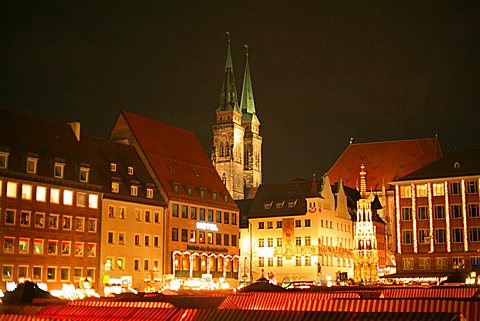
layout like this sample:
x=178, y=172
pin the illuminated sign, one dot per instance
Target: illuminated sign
x=207, y=226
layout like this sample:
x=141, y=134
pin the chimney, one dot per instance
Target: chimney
x=76, y=129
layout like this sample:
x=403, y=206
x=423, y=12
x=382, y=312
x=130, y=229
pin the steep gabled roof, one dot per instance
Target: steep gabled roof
x=177, y=158
x=385, y=161
x=458, y=163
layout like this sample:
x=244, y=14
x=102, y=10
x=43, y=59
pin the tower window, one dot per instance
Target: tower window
x=130, y=170
x=113, y=167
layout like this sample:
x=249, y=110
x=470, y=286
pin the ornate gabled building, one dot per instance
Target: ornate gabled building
x=237, y=144
x=365, y=242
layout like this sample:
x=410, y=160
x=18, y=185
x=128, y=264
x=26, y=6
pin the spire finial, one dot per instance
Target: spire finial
x=363, y=182
x=228, y=35
x=246, y=47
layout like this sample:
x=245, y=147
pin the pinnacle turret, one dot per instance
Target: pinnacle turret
x=247, y=103
x=228, y=98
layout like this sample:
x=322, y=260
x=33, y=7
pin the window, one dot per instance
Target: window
x=423, y=236
x=149, y=192
x=91, y=249
x=234, y=240
x=81, y=199
x=113, y=167
x=202, y=193
x=279, y=260
x=458, y=262
x=455, y=188
x=122, y=213
x=110, y=238
x=37, y=273
x=438, y=189
x=174, y=234
x=65, y=274
x=298, y=223
x=184, y=211
x=55, y=196
x=66, y=248
x=405, y=192
x=298, y=241
x=38, y=246
x=146, y=240
x=422, y=190
x=456, y=211
x=193, y=213
x=218, y=239
x=52, y=247
x=8, y=244
x=269, y=225
x=439, y=212
x=136, y=265
x=214, y=196
x=148, y=216
x=24, y=218
x=441, y=263
x=218, y=217
x=145, y=265
x=134, y=190
x=67, y=197
x=406, y=237
x=32, y=165
x=156, y=217
x=210, y=238
x=40, y=220
x=457, y=235
x=261, y=225
x=270, y=242
x=261, y=261
x=308, y=240
x=472, y=187
x=475, y=260
x=424, y=263
x=92, y=224
x=41, y=194
x=115, y=187
x=473, y=210
x=184, y=235
x=11, y=189
x=440, y=235
x=138, y=215
x=66, y=222
x=307, y=223
x=261, y=242
x=91, y=273
x=279, y=224
x=202, y=214
x=210, y=215
x=474, y=234
x=270, y=261
x=407, y=263
x=121, y=238
x=51, y=273
x=130, y=170
x=406, y=213
x=3, y=160
x=298, y=260
x=136, y=239
x=58, y=170
x=120, y=264
x=201, y=236
x=189, y=191
x=27, y=192
x=175, y=210
x=308, y=260
x=279, y=241
x=53, y=221
x=78, y=249
x=111, y=211
x=226, y=218
x=7, y=272
x=176, y=188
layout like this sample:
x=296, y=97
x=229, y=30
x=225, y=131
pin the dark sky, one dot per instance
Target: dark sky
x=322, y=71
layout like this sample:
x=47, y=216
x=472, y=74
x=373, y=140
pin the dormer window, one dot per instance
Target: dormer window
x=202, y=193
x=58, y=170
x=176, y=188
x=280, y=204
x=134, y=190
x=225, y=198
x=3, y=160
x=130, y=170
x=84, y=174
x=214, y=196
x=113, y=167
x=189, y=191
x=170, y=168
x=32, y=165
x=115, y=187
x=267, y=206
x=292, y=204
x=149, y=192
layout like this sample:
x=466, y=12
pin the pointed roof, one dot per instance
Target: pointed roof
x=228, y=98
x=313, y=189
x=386, y=161
x=247, y=104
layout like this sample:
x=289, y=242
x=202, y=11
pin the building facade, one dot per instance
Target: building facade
x=437, y=217
x=237, y=144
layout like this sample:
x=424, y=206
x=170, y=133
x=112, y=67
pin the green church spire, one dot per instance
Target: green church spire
x=228, y=98
x=247, y=103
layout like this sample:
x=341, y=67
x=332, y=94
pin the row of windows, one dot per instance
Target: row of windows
x=140, y=216
x=119, y=264
x=67, y=222
x=202, y=192
x=441, y=235
x=279, y=224
x=305, y=261
x=438, y=189
x=138, y=240
x=441, y=263
x=25, y=245
x=115, y=188
x=53, y=195
x=49, y=274
x=31, y=167
x=439, y=212
x=203, y=237
x=204, y=215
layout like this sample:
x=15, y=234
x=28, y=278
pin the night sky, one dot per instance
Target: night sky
x=322, y=71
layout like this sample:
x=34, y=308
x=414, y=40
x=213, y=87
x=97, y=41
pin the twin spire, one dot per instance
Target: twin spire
x=228, y=98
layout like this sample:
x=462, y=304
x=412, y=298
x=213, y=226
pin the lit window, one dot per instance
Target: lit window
x=51, y=273
x=422, y=190
x=405, y=192
x=149, y=193
x=67, y=197
x=24, y=218
x=58, y=170
x=298, y=260
x=438, y=189
x=40, y=220
x=66, y=222
x=120, y=264
x=458, y=262
x=54, y=196
x=81, y=199
x=11, y=189
x=66, y=248
x=270, y=261
x=23, y=245
x=407, y=263
x=53, y=221
x=424, y=263
x=41, y=194
x=115, y=187
x=270, y=242
x=79, y=224
x=3, y=160
x=92, y=225
x=84, y=174
x=78, y=249
x=441, y=263
x=134, y=190
x=261, y=261
x=308, y=260
x=279, y=260
x=27, y=192
x=93, y=200
x=130, y=170
x=121, y=213
x=261, y=242
x=32, y=165
x=8, y=244
x=91, y=249
x=308, y=240
x=113, y=167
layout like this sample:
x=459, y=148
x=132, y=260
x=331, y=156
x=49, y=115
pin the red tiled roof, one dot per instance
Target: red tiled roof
x=384, y=161
x=177, y=157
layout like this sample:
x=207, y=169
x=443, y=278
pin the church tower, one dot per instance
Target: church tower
x=365, y=250
x=252, y=163
x=228, y=134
